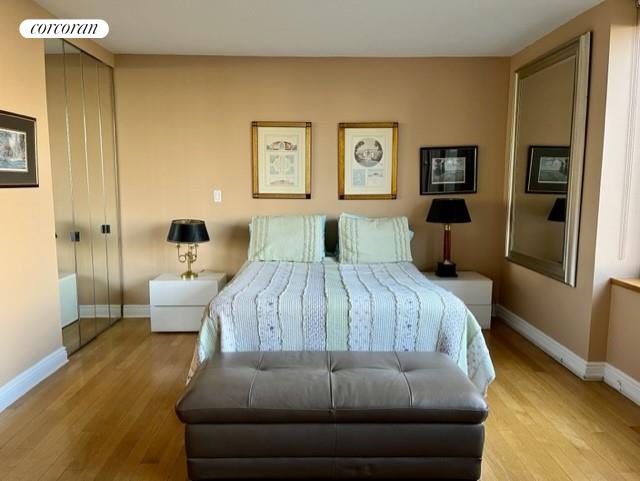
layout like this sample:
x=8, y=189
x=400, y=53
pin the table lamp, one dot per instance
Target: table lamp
x=191, y=232
x=559, y=210
x=447, y=212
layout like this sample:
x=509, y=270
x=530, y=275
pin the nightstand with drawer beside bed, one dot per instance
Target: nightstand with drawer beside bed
x=473, y=289
x=178, y=304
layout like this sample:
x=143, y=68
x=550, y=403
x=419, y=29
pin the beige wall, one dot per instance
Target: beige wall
x=29, y=317
x=610, y=259
x=29, y=311
x=184, y=129
x=624, y=331
x=563, y=312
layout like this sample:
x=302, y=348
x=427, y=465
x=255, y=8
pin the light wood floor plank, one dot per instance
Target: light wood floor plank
x=109, y=414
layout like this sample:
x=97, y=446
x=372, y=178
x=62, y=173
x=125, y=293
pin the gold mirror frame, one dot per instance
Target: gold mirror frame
x=566, y=271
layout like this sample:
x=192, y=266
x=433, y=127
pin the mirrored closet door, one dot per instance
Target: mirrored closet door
x=85, y=187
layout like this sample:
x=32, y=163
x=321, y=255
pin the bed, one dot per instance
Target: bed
x=332, y=306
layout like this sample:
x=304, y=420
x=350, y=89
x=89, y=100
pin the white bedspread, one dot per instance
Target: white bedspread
x=287, y=306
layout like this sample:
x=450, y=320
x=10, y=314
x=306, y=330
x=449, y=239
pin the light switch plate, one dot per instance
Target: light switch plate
x=217, y=196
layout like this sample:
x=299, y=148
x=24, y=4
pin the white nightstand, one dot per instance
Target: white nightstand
x=177, y=304
x=473, y=289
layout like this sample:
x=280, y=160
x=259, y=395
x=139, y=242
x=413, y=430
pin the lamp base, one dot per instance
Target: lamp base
x=446, y=269
x=188, y=275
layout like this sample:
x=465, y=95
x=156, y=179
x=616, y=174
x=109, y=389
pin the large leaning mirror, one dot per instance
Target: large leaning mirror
x=547, y=157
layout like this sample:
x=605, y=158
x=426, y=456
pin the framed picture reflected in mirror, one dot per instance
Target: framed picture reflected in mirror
x=547, y=170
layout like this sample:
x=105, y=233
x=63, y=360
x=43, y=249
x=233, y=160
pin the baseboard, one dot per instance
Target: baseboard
x=622, y=382
x=102, y=310
x=98, y=310
x=589, y=371
x=136, y=310
x=28, y=379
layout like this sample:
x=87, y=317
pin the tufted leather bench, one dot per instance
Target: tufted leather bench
x=332, y=415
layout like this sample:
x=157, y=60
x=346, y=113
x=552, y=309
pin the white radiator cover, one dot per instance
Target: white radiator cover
x=67, y=287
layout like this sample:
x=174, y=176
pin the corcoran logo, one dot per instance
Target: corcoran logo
x=76, y=28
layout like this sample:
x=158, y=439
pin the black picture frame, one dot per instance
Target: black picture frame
x=548, y=180
x=462, y=178
x=18, y=150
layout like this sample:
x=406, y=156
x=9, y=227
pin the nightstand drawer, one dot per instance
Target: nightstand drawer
x=170, y=290
x=470, y=293
x=177, y=319
x=470, y=287
x=482, y=314
x=473, y=289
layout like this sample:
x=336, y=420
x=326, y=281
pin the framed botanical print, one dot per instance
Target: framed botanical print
x=547, y=170
x=281, y=160
x=18, y=159
x=367, y=160
x=448, y=170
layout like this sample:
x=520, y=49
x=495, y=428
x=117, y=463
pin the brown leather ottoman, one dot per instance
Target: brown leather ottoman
x=332, y=415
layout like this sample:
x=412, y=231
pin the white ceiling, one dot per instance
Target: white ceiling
x=362, y=28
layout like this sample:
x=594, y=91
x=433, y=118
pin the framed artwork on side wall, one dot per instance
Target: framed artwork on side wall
x=547, y=170
x=448, y=170
x=367, y=160
x=18, y=159
x=281, y=160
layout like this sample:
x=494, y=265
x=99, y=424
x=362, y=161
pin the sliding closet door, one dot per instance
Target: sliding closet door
x=112, y=221
x=62, y=193
x=95, y=177
x=84, y=170
x=82, y=235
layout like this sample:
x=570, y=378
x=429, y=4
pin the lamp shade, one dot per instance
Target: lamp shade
x=559, y=210
x=188, y=231
x=448, y=211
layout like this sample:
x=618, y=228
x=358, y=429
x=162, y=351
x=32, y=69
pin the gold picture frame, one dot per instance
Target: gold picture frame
x=276, y=160
x=371, y=171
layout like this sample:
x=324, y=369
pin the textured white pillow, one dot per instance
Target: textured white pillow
x=296, y=238
x=374, y=240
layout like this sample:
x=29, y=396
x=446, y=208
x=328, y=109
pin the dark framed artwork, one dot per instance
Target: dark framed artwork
x=448, y=170
x=18, y=160
x=547, y=170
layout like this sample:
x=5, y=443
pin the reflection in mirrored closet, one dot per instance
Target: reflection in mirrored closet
x=547, y=156
x=84, y=171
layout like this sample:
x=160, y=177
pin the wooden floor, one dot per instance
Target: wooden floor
x=108, y=415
